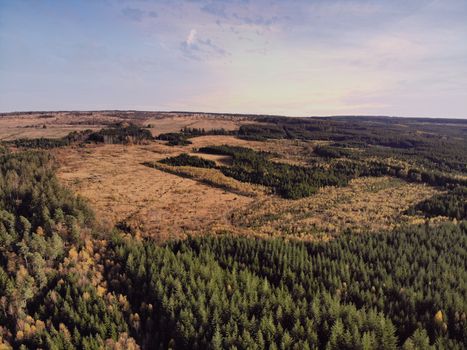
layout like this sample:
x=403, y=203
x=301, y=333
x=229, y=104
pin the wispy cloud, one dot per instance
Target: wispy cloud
x=207, y=43
x=190, y=40
x=200, y=49
x=215, y=8
x=257, y=20
x=133, y=13
x=136, y=14
x=243, y=12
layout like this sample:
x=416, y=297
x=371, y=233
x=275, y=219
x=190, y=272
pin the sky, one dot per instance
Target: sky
x=285, y=57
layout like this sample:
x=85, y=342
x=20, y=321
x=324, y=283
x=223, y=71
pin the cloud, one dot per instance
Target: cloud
x=133, y=13
x=213, y=47
x=191, y=37
x=136, y=14
x=200, y=49
x=257, y=20
x=228, y=11
x=215, y=9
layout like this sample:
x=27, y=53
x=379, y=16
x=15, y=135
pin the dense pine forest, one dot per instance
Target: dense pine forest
x=68, y=282
x=358, y=292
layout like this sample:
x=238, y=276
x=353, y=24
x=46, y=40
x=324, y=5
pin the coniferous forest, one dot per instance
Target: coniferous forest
x=68, y=282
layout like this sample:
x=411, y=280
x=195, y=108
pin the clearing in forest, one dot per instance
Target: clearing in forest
x=170, y=202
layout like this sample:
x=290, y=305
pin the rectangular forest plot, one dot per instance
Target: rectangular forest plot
x=185, y=159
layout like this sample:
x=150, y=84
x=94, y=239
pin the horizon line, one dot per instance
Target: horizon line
x=2, y=113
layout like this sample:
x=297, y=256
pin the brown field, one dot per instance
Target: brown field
x=152, y=201
x=212, y=177
x=287, y=151
x=155, y=202
x=166, y=202
x=170, y=202
x=53, y=125
x=175, y=123
x=59, y=124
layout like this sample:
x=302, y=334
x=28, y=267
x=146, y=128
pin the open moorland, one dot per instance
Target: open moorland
x=126, y=183
x=171, y=230
x=59, y=124
x=167, y=202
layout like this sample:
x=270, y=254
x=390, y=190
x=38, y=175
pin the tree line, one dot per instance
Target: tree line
x=182, y=138
x=427, y=143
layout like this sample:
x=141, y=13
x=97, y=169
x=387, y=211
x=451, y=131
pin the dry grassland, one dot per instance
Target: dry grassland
x=50, y=125
x=12, y=128
x=59, y=124
x=153, y=202
x=176, y=123
x=367, y=204
x=286, y=151
x=171, y=202
x=167, y=202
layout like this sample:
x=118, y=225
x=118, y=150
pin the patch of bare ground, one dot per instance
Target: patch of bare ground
x=366, y=205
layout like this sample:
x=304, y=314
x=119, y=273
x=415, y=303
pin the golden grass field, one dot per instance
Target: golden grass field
x=368, y=204
x=153, y=202
x=172, y=202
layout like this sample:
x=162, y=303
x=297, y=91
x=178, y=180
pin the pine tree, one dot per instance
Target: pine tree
x=216, y=341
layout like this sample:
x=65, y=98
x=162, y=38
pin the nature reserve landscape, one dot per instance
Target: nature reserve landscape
x=233, y=174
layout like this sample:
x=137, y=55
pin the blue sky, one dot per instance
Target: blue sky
x=323, y=57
